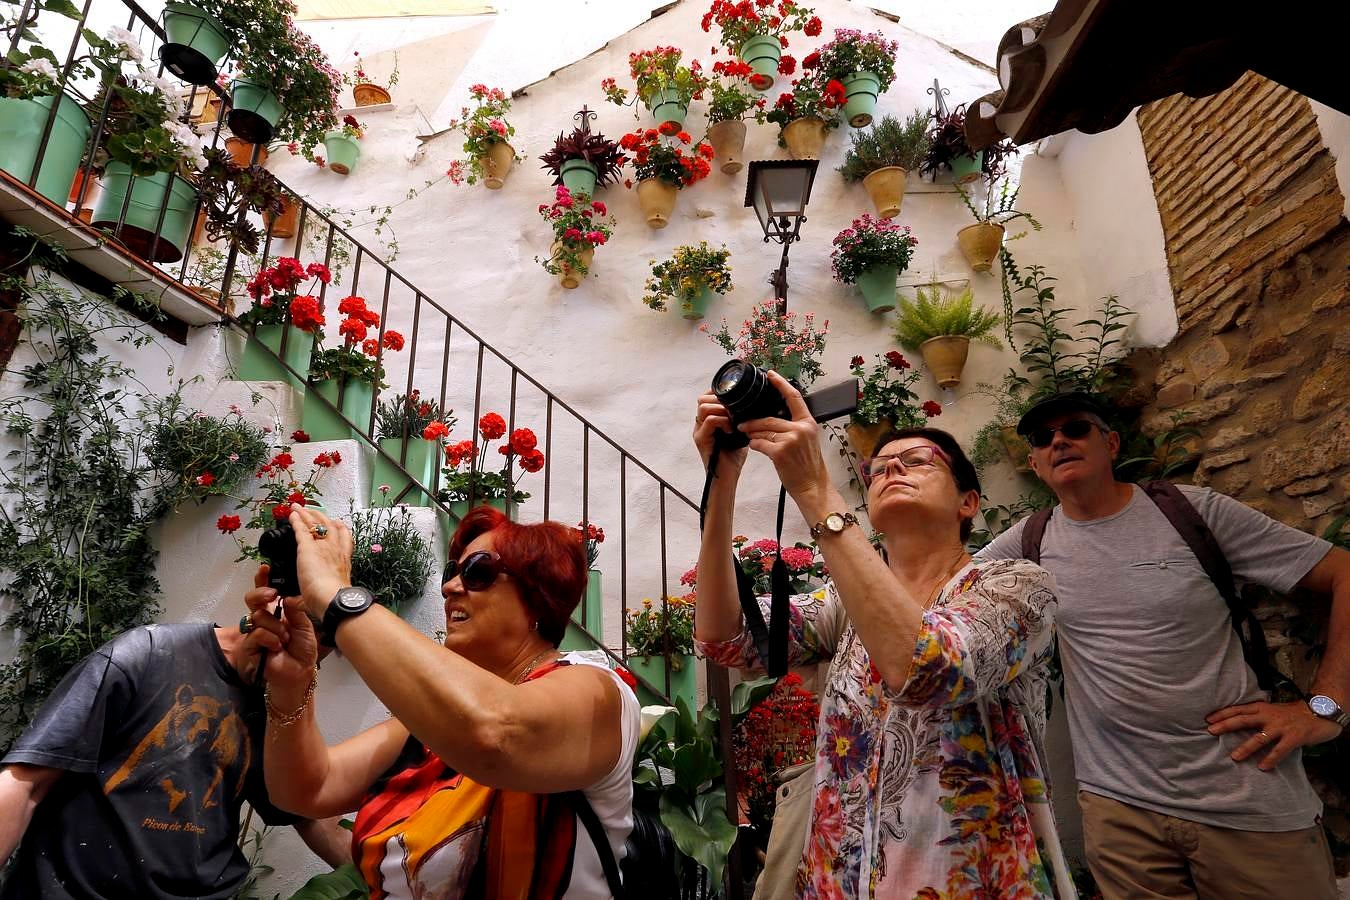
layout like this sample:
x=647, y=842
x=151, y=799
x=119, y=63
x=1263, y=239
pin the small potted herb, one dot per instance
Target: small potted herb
x=390, y=558
x=981, y=242
x=872, y=253
x=487, y=137
x=409, y=430
x=730, y=101
x=366, y=91
x=941, y=328
x=805, y=114
x=689, y=277
x=658, y=634
x=343, y=146
x=883, y=157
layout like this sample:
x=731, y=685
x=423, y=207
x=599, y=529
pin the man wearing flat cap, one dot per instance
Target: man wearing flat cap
x=1190, y=780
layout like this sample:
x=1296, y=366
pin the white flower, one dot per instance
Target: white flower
x=127, y=41
x=189, y=141
x=650, y=716
x=39, y=66
x=162, y=86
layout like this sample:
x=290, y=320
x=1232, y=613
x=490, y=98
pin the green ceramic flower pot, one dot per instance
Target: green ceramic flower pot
x=420, y=462
x=683, y=680
x=343, y=152
x=254, y=112
x=861, y=90
x=589, y=615
x=762, y=53
x=966, y=169
x=321, y=423
x=21, y=125
x=263, y=356
x=152, y=198
x=460, y=508
x=695, y=305
x=579, y=177
x=196, y=43
x=877, y=285
x=666, y=106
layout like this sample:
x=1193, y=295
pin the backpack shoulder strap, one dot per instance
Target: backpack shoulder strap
x=586, y=813
x=1033, y=532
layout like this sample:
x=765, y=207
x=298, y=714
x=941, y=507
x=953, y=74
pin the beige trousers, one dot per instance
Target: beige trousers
x=787, y=839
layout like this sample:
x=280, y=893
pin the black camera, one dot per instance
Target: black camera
x=277, y=545
x=745, y=390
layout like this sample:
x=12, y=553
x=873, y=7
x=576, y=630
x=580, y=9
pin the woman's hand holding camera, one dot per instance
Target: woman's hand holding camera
x=323, y=558
x=711, y=418
x=291, y=643
x=793, y=446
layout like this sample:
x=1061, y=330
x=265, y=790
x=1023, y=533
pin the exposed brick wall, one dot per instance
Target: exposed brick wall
x=1258, y=253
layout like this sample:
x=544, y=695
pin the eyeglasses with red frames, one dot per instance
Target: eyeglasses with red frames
x=917, y=457
x=477, y=572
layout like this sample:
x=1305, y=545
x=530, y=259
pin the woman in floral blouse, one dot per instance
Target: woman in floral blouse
x=930, y=776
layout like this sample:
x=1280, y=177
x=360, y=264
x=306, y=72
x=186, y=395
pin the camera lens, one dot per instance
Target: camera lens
x=728, y=377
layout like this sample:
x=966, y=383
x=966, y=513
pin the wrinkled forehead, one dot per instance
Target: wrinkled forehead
x=900, y=445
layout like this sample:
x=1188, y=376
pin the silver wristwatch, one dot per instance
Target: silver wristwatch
x=1325, y=708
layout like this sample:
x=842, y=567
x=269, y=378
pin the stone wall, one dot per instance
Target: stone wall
x=1257, y=251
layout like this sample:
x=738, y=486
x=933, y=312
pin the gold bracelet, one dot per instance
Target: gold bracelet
x=276, y=717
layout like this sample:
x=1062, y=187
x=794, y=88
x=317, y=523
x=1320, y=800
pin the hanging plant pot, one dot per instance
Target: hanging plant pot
x=762, y=53
x=728, y=143
x=695, y=305
x=980, y=243
x=579, y=176
x=501, y=156
x=571, y=278
x=877, y=285
x=147, y=203
x=420, y=462
x=666, y=106
x=322, y=424
x=284, y=225
x=945, y=357
x=21, y=125
x=886, y=187
x=195, y=44
x=657, y=199
x=366, y=94
x=1017, y=448
x=683, y=678
x=861, y=90
x=804, y=137
x=589, y=615
x=863, y=438
x=241, y=152
x=343, y=152
x=263, y=355
x=966, y=169
x=254, y=112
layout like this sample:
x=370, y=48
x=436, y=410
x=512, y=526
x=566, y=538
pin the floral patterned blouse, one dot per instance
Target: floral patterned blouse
x=938, y=789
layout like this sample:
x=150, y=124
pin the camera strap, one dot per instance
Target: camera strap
x=770, y=640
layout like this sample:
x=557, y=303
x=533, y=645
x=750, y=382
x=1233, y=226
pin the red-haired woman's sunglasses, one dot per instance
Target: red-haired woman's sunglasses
x=477, y=572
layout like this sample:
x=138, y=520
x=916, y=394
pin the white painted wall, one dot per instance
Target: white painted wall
x=1335, y=127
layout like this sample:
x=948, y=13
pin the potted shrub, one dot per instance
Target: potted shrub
x=778, y=732
x=883, y=157
x=663, y=85
x=872, y=253
x=729, y=101
x=689, y=277
x=343, y=146
x=579, y=225
x=583, y=160
x=998, y=438
x=465, y=479
x=590, y=614
x=664, y=635
x=487, y=136
x=390, y=558
x=347, y=375
x=665, y=160
x=282, y=322
x=759, y=39
x=864, y=64
x=805, y=114
x=409, y=430
x=285, y=90
x=886, y=400
x=771, y=341
x=981, y=242
x=366, y=91
x=948, y=150
x=941, y=328
x=202, y=456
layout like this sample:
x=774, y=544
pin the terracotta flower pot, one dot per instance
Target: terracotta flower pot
x=369, y=94
x=980, y=243
x=1018, y=450
x=572, y=278
x=804, y=137
x=945, y=357
x=886, y=187
x=657, y=199
x=501, y=156
x=241, y=151
x=863, y=438
x=728, y=143
x=283, y=226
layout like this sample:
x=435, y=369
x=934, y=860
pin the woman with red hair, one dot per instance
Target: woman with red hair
x=506, y=768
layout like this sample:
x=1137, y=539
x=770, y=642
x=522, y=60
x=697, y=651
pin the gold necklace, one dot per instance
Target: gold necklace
x=942, y=580
x=534, y=662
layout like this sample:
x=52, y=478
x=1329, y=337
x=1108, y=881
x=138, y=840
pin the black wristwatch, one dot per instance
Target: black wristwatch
x=348, y=603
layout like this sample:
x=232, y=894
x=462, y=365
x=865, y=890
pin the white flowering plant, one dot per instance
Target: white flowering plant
x=32, y=70
x=143, y=128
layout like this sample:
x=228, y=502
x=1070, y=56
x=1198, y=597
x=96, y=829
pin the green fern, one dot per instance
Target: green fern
x=888, y=143
x=931, y=315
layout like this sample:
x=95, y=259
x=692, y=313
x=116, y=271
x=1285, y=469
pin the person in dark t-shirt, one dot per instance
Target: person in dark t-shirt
x=130, y=780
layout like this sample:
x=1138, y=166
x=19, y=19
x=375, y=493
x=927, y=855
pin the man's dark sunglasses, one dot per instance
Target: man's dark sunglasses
x=477, y=572
x=1074, y=429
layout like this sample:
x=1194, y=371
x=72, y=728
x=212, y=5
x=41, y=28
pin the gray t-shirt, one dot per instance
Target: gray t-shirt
x=1148, y=651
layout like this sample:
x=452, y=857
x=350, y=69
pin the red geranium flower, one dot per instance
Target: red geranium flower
x=206, y=479
x=812, y=28
x=319, y=271
x=228, y=524
x=856, y=361
x=532, y=461
x=897, y=361
x=353, y=330
x=523, y=440
x=393, y=340
x=296, y=498
x=667, y=128
x=281, y=512
x=931, y=408
x=370, y=347
x=299, y=436
x=352, y=306
x=305, y=313
x=492, y=426
x=283, y=461
x=787, y=65
x=434, y=431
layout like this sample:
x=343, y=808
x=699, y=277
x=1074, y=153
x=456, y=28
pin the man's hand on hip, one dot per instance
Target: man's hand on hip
x=1278, y=728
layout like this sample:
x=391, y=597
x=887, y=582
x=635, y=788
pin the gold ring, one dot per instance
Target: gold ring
x=1263, y=736
x=319, y=531
x=246, y=624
